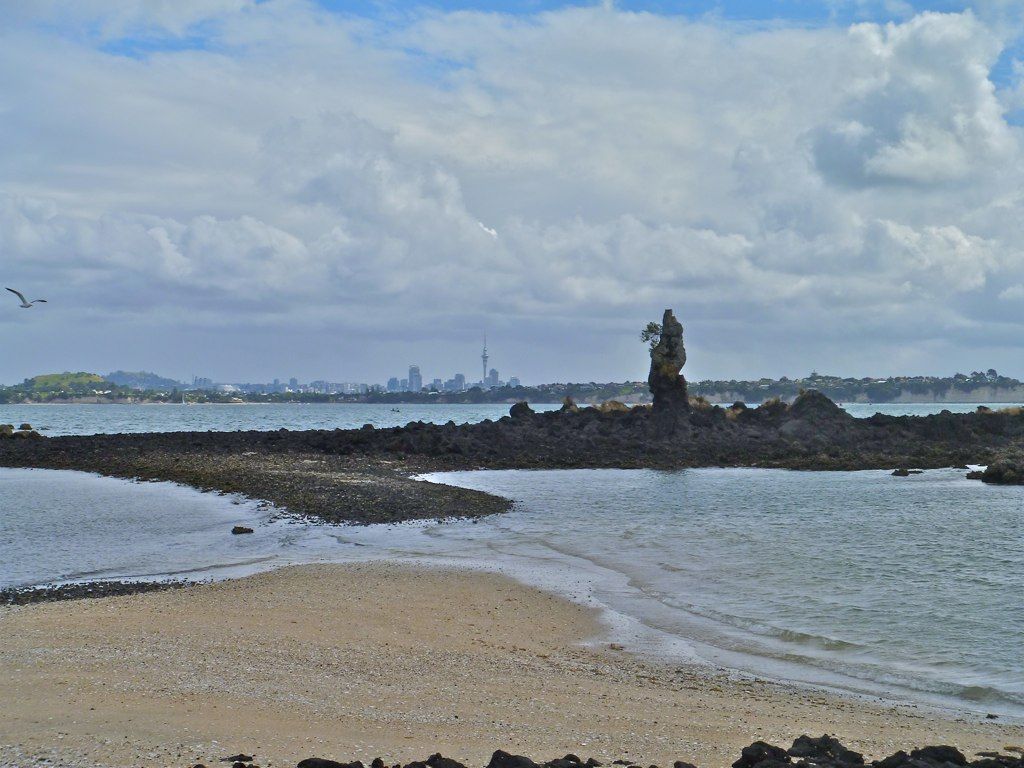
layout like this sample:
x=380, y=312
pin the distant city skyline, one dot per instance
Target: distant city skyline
x=412, y=382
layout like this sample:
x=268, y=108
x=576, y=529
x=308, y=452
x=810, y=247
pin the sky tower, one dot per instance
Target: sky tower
x=484, y=358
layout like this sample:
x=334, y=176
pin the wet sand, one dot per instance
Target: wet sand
x=355, y=661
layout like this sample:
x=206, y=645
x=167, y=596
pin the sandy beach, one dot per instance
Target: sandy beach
x=356, y=661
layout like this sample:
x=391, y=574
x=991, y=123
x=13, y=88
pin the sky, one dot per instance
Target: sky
x=251, y=189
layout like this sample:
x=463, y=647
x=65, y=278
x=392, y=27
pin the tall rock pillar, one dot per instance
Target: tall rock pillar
x=667, y=358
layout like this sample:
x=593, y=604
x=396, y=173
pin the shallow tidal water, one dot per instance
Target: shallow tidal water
x=900, y=587
x=908, y=588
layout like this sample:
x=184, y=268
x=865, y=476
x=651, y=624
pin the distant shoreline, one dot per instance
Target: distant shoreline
x=978, y=387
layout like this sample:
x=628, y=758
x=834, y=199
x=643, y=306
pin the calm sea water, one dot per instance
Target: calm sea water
x=908, y=588
x=112, y=419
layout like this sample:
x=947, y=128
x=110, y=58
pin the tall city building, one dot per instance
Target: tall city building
x=492, y=379
x=415, y=379
x=485, y=359
x=393, y=384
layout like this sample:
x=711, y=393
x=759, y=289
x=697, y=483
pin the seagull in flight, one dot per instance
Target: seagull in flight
x=24, y=303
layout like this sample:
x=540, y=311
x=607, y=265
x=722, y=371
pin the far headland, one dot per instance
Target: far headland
x=363, y=475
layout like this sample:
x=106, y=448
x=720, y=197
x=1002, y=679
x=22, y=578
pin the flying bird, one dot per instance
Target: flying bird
x=24, y=303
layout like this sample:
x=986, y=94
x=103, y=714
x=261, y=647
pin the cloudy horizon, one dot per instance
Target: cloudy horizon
x=335, y=190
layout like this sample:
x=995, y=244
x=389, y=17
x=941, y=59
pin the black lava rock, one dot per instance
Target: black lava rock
x=759, y=753
x=893, y=761
x=1006, y=469
x=320, y=762
x=437, y=760
x=827, y=749
x=823, y=752
x=501, y=759
x=240, y=529
x=939, y=755
x=521, y=411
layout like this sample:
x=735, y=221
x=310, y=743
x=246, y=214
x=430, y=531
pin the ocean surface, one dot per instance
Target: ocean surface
x=111, y=419
x=54, y=420
x=906, y=588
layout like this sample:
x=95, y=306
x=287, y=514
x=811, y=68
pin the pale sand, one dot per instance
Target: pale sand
x=357, y=661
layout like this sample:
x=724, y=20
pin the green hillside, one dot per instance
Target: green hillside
x=59, y=386
x=65, y=382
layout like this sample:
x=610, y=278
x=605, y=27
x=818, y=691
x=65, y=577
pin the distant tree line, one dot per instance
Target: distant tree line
x=875, y=390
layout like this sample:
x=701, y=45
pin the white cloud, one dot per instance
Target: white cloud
x=919, y=108
x=1013, y=293
x=334, y=176
x=117, y=18
x=942, y=260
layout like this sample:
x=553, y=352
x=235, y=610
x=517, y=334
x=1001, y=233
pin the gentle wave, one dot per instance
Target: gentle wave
x=908, y=590
x=846, y=579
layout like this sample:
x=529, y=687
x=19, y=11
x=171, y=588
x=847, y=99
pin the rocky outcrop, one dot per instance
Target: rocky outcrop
x=1006, y=469
x=668, y=357
x=24, y=432
x=812, y=406
x=521, y=411
x=809, y=752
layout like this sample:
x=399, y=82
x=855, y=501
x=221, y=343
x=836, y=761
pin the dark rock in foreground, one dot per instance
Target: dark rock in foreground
x=49, y=594
x=823, y=752
x=761, y=753
x=826, y=749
